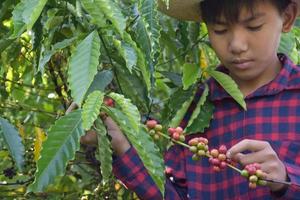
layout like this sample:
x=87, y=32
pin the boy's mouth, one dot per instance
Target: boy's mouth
x=241, y=63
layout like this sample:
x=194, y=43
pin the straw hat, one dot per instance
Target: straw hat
x=189, y=9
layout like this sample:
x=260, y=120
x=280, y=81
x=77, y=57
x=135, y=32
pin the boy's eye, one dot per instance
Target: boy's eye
x=255, y=28
x=219, y=32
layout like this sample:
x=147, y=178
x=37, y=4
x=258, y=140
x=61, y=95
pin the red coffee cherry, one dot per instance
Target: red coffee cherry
x=109, y=102
x=151, y=124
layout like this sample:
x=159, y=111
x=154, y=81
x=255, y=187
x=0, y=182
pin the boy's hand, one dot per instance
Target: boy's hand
x=262, y=153
x=119, y=142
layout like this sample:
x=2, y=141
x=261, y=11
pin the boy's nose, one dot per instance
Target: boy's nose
x=237, y=43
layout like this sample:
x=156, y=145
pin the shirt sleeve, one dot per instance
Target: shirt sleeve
x=290, y=154
x=130, y=170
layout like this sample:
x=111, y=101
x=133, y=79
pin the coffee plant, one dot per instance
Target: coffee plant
x=64, y=64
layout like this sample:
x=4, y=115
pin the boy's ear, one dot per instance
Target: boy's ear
x=289, y=17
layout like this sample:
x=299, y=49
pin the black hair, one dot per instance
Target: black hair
x=213, y=10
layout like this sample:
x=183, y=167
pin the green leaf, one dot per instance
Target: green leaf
x=149, y=15
x=19, y=25
x=287, y=43
x=97, y=17
x=58, y=149
x=32, y=11
x=26, y=13
x=144, y=145
x=141, y=62
x=91, y=109
x=110, y=10
x=174, y=77
x=176, y=100
x=198, y=108
x=101, y=81
x=104, y=154
x=128, y=81
x=13, y=142
x=127, y=52
x=46, y=56
x=181, y=112
x=128, y=109
x=83, y=66
x=230, y=86
x=191, y=73
x=202, y=120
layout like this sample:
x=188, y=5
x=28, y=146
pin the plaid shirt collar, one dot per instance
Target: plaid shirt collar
x=281, y=82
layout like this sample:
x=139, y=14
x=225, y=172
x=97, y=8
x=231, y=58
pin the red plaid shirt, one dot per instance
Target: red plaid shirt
x=273, y=115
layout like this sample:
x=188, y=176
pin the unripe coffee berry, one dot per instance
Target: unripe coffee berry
x=201, y=153
x=156, y=137
x=179, y=130
x=262, y=182
x=245, y=173
x=158, y=127
x=182, y=138
x=214, y=153
x=260, y=174
x=193, y=149
x=152, y=132
x=195, y=157
x=222, y=157
x=253, y=179
x=201, y=146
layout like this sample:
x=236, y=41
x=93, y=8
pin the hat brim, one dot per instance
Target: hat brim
x=189, y=10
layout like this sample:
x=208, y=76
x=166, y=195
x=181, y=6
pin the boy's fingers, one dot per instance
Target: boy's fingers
x=245, y=159
x=244, y=145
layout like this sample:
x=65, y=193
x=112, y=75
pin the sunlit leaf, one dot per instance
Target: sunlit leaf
x=191, y=73
x=58, y=149
x=83, y=66
x=230, y=86
x=13, y=142
x=142, y=142
x=104, y=153
x=91, y=109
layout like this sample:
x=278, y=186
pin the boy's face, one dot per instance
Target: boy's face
x=248, y=48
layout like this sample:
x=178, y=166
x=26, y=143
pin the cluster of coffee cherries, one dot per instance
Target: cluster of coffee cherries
x=177, y=134
x=218, y=158
x=154, y=129
x=199, y=146
x=254, y=174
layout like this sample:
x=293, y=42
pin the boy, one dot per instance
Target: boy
x=245, y=35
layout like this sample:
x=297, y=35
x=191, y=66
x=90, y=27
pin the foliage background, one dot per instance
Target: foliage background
x=55, y=52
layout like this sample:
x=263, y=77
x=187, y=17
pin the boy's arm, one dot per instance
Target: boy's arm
x=128, y=167
x=130, y=170
x=289, y=152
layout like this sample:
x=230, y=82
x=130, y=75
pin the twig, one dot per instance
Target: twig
x=17, y=182
x=71, y=107
x=25, y=85
x=111, y=62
